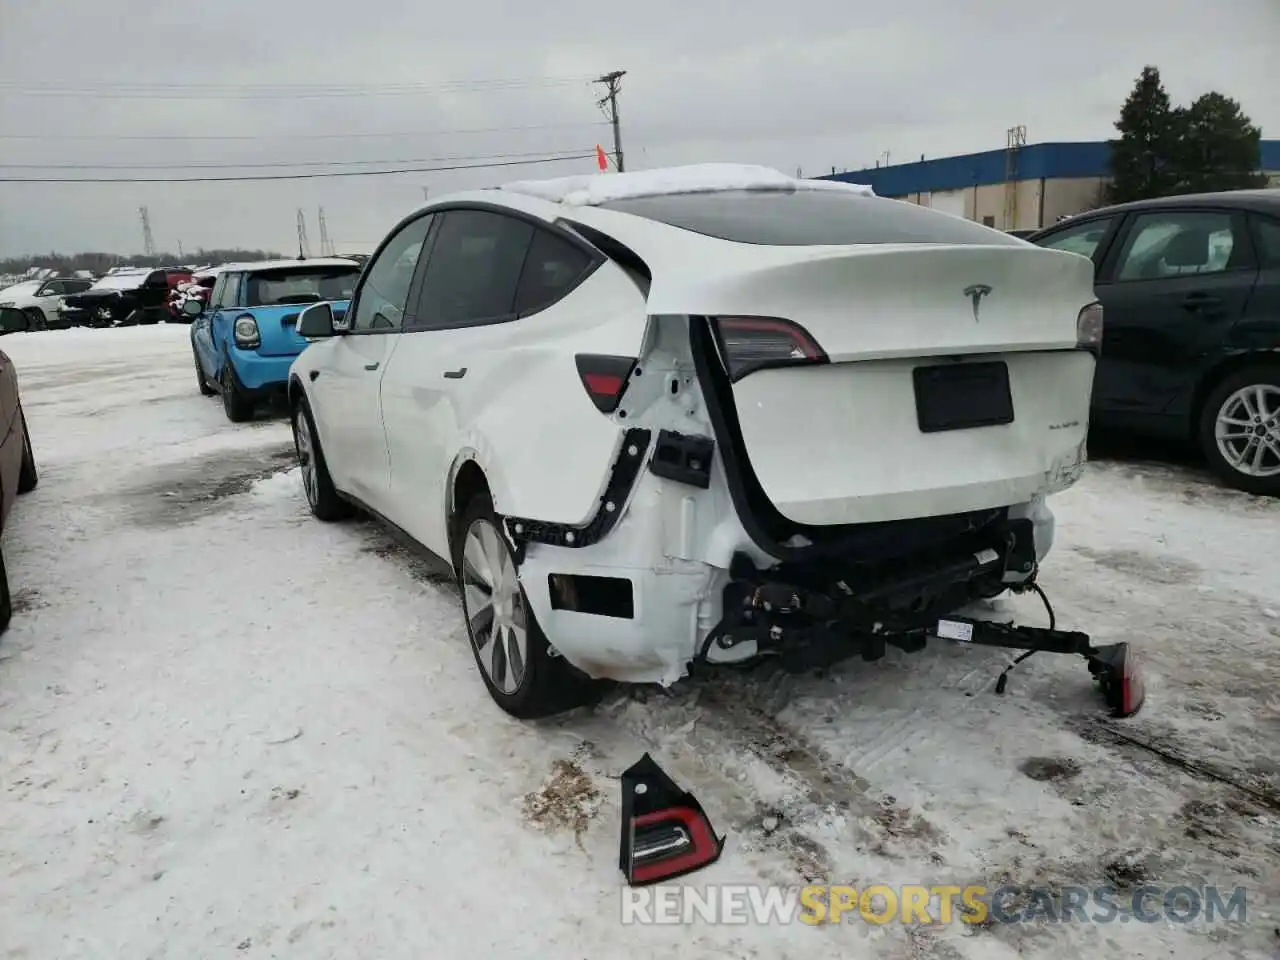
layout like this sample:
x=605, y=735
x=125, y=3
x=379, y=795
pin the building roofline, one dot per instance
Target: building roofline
x=1049, y=161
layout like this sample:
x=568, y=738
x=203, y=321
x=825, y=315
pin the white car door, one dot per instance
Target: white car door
x=486, y=269
x=345, y=392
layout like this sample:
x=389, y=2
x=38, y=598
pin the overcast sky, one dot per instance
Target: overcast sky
x=814, y=85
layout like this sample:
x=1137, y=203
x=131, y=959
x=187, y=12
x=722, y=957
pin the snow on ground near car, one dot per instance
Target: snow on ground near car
x=227, y=729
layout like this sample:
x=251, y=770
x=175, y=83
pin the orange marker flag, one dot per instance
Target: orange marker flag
x=602, y=161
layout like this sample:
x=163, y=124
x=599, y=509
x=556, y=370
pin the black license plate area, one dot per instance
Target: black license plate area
x=962, y=396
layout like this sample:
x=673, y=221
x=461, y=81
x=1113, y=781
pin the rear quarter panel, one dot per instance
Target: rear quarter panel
x=526, y=418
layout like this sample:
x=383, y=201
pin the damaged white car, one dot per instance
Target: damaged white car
x=705, y=414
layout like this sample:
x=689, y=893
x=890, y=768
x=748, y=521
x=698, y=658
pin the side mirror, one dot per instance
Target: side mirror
x=192, y=308
x=317, y=321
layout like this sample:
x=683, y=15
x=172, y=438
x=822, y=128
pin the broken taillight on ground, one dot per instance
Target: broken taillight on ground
x=665, y=833
x=1119, y=677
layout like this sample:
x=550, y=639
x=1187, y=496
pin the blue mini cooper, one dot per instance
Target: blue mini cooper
x=246, y=337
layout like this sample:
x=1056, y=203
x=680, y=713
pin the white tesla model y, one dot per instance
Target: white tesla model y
x=700, y=415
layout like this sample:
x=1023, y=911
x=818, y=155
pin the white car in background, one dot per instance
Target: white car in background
x=40, y=300
x=700, y=415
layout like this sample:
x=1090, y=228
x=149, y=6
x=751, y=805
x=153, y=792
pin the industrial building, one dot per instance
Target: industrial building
x=1023, y=187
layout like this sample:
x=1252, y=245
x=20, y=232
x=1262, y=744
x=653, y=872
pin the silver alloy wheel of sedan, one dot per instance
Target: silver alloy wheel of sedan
x=306, y=455
x=494, y=606
x=1248, y=430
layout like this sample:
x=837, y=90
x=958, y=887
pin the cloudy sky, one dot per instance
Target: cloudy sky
x=136, y=88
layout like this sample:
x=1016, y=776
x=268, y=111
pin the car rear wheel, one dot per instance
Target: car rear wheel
x=517, y=665
x=201, y=380
x=322, y=496
x=1240, y=429
x=28, y=475
x=238, y=407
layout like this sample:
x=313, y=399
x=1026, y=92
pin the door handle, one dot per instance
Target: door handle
x=1194, y=301
x=456, y=374
x=371, y=366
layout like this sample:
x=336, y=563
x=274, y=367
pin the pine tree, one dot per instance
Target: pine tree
x=1142, y=159
x=1218, y=147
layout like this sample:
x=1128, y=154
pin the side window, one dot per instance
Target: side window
x=78, y=286
x=551, y=268
x=474, y=269
x=53, y=288
x=219, y=290
x=1179, y=243
x=1083, y=238
x=381, y=299
x=1268, y=241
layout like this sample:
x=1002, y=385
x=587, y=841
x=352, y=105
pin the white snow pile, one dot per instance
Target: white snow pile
x=588, y=190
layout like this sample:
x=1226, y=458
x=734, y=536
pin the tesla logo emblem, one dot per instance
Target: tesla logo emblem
x=975, y=295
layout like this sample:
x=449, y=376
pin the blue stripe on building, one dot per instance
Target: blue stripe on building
x=1049, y=161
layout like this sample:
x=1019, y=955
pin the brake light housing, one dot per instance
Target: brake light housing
x=605, y=378
x=1089, y=328
x=748, y=344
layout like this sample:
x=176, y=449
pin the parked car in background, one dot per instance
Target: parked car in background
x=661, y=415
x=198, y=287
x=13, y=320
x=124, y=297
x=244, y=339
x=1190, y=288
x=40, y=300
x=18, y=473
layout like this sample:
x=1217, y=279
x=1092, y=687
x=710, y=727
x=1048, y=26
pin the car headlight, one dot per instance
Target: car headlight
x=246, y=331
x=1089, y=328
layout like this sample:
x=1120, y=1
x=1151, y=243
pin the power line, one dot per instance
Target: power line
x=177, y=91
x=294, y=136
x=232, y=165
x=299, y=176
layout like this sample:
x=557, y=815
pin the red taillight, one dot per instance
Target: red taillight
x=605, y=378
x=752, y=343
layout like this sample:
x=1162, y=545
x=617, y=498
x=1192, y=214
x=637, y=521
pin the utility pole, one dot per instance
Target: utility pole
x=304, y=248
x=425, y=193
x=609, y=104
x=148, y=241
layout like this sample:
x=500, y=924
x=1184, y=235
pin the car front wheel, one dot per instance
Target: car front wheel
x=1240, y=429
x=517, y=665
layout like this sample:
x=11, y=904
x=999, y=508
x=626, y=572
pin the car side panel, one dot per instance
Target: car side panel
x=551, y=461
x=11, y=439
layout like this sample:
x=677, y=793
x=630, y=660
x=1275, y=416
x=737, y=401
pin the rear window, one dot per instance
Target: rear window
x=808, y=218
x=292, y=285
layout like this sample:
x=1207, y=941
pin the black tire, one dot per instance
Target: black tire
x=1218, y=402
x=6, y=598
x=548, y=684
x=235, y=403
x=35, y=319
x=201, y=380
x=322, y=496
x=28, y=475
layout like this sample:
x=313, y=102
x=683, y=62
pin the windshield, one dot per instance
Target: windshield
x=306, y=285
x=120, y=281
x=20, y=289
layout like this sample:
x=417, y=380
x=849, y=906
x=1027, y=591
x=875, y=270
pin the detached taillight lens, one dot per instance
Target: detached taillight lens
x=1089, y=328
x=605, y=378
x=754, y=343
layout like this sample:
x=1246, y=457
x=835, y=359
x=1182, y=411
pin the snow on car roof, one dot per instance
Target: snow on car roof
x=282, y=264
x=122, y=281
x=594, y=189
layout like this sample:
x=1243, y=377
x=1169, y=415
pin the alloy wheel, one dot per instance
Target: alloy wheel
x=495, y=607
x=306, y=455
x=1247, y=430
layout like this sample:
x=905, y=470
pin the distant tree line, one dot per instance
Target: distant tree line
x=100, y=263
x=1164, y=150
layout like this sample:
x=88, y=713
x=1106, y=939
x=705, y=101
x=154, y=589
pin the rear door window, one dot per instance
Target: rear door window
x=808, y=218
x=1177, y=243
x=552, y=268
x=474, y=269
x=1268, y=241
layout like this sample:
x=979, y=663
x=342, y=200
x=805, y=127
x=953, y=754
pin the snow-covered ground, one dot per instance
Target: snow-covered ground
x=228, y=730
